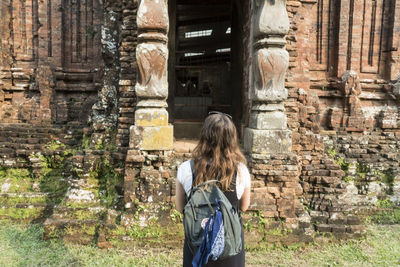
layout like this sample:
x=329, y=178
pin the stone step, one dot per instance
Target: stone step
x=21, y=150
x=9, y=136
x=39, y=132
x=72, y=230
x=10, y=142
x=23, y=130
x=341, y=230
x=15, y=146
x=6, y=151
x=21, y=127
x=25, y=195
x=24, y=212
x=87, y=212
x=25, y=199
x=20, y=206
x=28, y=140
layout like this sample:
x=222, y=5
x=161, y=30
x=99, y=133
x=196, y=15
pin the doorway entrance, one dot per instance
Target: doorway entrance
x=203, y=34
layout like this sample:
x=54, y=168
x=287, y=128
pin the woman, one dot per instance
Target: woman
x=217, y=156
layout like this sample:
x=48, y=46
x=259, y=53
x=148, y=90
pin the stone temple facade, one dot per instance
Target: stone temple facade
x=315, y=96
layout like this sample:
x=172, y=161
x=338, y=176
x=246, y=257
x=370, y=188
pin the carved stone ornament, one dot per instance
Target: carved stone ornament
x=396, y=93
x=351, y=83
x=271, y=18
x=153, y=15
x=351, y=89
x=353, y=116
x=152, y=63
x=270, y=75
x=152, y=53
x=271, y=60
x=396, y=90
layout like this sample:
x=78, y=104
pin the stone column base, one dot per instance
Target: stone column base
x=151, y=137
x=267, y=141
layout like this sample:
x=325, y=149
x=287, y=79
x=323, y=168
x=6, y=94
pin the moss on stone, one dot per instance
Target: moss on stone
x=53, y=171
x=18, y=173
x=79, y=205
x=84, y=214
x=118, y=231
x=70, y=230
x=92, y=179
x=18, y=180
x=154, y=234
x=54, y=182
x=344, y=165
x=21, y=199
x=90, y=230
x=55, y=145
x=52, y=232
x=105, y=142
x=85, y=142
x=387, y=177
x=21, y=213
x=81, y=230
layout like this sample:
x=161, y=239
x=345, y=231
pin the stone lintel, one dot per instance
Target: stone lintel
x=267, y=141
x=151, y=137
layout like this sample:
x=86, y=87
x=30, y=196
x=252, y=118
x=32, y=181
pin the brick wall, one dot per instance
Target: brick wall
x=319, y=55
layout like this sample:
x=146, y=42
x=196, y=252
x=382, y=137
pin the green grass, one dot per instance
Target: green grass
x=21, y=245
x=380, y=247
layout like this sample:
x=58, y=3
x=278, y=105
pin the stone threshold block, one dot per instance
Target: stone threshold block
x=267, y=141
x=151, y=137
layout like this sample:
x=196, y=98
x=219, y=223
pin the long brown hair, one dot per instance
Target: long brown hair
x=217, y=155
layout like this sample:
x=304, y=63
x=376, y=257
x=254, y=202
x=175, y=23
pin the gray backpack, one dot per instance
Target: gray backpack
x=201, y=205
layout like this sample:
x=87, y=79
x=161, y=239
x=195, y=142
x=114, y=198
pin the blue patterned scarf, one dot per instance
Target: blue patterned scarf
x=213, y=241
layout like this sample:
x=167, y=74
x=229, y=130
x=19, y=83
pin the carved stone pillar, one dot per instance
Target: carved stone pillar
x=267, y=133
x=151, y=130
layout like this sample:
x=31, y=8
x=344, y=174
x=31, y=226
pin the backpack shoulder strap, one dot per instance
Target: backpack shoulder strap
x=192, y=166
x=205, y=183
x=193, y=176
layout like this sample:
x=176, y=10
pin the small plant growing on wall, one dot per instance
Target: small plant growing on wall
x=388, y=212
x=344, y=165
x=387, y=177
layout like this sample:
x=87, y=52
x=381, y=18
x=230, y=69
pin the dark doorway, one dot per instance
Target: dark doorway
x=201, y=72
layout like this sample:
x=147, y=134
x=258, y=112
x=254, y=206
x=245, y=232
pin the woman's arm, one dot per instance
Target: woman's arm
x=180, y=196
x=245, y=181
x=245, y=200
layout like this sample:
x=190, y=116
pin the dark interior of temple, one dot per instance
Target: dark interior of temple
x=202, y=37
